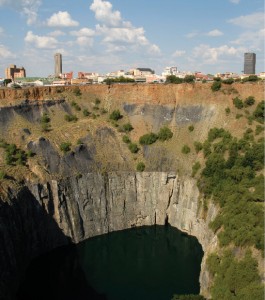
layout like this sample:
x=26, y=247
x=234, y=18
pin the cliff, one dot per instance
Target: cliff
x=57, y=198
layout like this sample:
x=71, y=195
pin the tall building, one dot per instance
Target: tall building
x=249, y=63
x=58, y=64
x=13, y=72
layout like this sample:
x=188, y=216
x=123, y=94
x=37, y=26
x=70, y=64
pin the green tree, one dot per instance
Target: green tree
x=238, y=103
x=148, y=139
x=133, y=147
x=185, y=149
x=115, y=115
x=164, y=134
x=216, y=86
x=65, y=147
x=249, y=101
x=140, y=167
x=174, y=79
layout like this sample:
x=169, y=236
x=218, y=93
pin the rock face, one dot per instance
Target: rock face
x=42, y=217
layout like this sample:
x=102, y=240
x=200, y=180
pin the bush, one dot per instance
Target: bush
x=70, y=118
x=188, y=297
x=86, y=113
x=127, y=127
x=133, y=147
x=228, y=81
x=216, y=86
x=97, y=101
x=126, y=139
x=75, y=106
x=227, y=110
x=174, y=79
x=258, y=114
x=45, y=118
x=140, y=167
x=65, y=147
x=195, y=168
x=2, y=175
x=115, y=115
x=259, y=129
x=198, y=146
x=191, y=128
x=189, y=78
x=238, y=116
x=238, y=103
x=164, y=134
x=148, y=139
x=77, y=91
x=185, y=149
x=249, y=101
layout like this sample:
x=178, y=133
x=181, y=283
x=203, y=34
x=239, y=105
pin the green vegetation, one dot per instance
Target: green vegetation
x=45, y=122
x=258, y=114
x=259, y=129
x=115, y=115
x=249, y=101
x=70, y=118
x=189, y=78
x=195, y=168
x=228, y=81
x=120, y=79
x=234, y=278
x=148, y=139
x=216, y=86
x=133, y=147
x=75, y=106
x=238, y=103
x=86, y=113
x=2, y=175
x=77, y=91
x=251, y=78
x=97, y=101
x=174, y=79
x=227, y=111
x=191, y=128
x=238, y=116
x=198, y=146
x=127, y=127
x=65, y=147
x=185, y=149
x=126, y=139
x=140, y=167
x=14, y=155
x=164, y=134
x=188, y=297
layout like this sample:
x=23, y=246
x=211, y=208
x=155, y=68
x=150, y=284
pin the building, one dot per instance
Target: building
x=68, y=75
x=58, y=64
x=170, y=71
x=142, y=72
x=13, y=72
x=249, y=63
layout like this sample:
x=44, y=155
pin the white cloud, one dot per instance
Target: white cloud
x=84, y=41
x=179, y=53
x=28, y=8
x=5, y=52
x=215, y=33
x=83, y=32
x=212, y=55
x=250, y=39
x=192, y=34
x=154, y=49
x=235, y=1
x=41, y=42
x=104, y=13
x=61, y=19
x=254, y=21
x=56, y=33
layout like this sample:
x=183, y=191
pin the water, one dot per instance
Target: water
x=136, y=264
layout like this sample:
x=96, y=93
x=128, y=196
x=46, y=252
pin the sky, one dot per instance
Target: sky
x=101, y=36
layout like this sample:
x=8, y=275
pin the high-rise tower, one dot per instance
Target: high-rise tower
x=249, y=63
x=57, y=64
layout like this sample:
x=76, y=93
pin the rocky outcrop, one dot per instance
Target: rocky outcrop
x=45, y=216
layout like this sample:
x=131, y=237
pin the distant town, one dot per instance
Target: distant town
x=15, y=77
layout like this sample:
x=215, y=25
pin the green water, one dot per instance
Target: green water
x=137, y=264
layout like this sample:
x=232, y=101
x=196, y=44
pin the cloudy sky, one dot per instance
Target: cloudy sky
x=101, y=36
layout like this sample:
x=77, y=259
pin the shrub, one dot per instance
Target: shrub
x=249, y=101
x=238, y=103
x=217, y=79
x=238, y=116
x=227, y=110
x=127, y=127
x=188, y=297
x=164, y=134
x=2, y=175
x=70, y=118
x=258, y=114
x=216, y=86
x=228, y=81
x=148, y=139
x=115, y=115
x=140, y=167
x=259, y=129
x=97, y=101
x=191, y=128
x=133, y=147
x=45, y=127
x=77, y=91
x=198, y=146
x=195, y=168
x=65, y=147
x=126, y=139
x=185, y=149
x=86, y=113
x=174, y=79
x=45, y=118
x=189, y=78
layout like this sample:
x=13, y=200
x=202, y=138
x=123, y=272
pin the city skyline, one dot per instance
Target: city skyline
x=104, y=36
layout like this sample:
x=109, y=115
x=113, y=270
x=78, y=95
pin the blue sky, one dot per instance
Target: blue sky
x=101, y=36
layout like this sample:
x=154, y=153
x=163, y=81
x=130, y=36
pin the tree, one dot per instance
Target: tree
x=133, y=147
x=216, y=86
x=189, y=78
x=148, y=139
x=140, y=167
x=174, y=79
x=164, y=134
x=115, y=115
x=249, y=101
x=185, y=149
x=65, y=147
x=238, y=103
